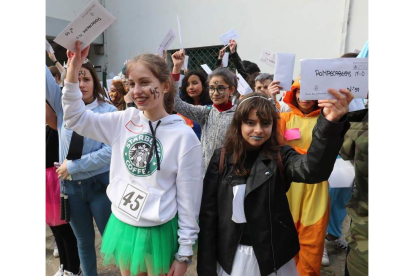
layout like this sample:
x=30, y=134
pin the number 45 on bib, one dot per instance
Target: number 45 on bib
x=133, y=201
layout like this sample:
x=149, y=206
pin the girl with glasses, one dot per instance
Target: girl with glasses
x=214, y=120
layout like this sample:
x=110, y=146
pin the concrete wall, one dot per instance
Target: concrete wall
x=358, y=25
x=310, y=29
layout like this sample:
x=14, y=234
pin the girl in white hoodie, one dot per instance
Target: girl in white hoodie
x=156, y=170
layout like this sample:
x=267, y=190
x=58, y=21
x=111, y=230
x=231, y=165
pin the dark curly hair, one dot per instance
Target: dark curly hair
x=204, y=96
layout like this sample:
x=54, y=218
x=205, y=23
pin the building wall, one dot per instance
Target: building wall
x=310, y=29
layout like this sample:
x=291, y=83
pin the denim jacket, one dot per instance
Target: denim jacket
x=96, y=156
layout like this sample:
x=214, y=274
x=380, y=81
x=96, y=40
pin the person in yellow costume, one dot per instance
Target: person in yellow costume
x=309, y=203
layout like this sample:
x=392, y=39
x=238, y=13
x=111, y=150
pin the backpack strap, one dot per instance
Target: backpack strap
x=222, y=157
x=280, y=165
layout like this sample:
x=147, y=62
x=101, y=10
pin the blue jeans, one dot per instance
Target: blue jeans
x=338, y=198
x=88, y=201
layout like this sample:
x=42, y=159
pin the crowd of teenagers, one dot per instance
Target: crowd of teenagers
x=169, y=169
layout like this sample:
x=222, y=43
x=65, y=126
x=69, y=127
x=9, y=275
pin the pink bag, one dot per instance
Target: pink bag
x=53, y=198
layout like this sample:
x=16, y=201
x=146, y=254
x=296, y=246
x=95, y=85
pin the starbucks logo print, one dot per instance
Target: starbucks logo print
x=136, y=153
x=139, y=155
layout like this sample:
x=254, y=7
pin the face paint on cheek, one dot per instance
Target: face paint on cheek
x=155, y=92
x=82, y=72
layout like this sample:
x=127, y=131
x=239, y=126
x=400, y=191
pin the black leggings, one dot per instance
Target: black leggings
x=67, y=246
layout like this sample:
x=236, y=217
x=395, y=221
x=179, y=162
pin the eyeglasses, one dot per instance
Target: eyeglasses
x=220, y=89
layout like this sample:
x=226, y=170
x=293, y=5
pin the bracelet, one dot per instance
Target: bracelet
x=183, y=259
x=131, y=104
x=56, y=61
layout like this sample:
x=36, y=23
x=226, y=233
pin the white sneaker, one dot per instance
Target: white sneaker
x=325, y=257
x=60, y=271
x=68, y=273
x=55, y=250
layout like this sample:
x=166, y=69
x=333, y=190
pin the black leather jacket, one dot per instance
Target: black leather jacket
x=272, y=231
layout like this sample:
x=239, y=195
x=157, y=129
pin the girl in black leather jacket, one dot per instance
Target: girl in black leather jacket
x=245, y=224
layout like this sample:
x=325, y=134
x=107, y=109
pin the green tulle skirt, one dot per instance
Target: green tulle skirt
x=140, y=249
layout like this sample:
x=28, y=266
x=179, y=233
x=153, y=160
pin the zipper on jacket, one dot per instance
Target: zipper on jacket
x=284, y=225
x=271, y=234
x=215, y=136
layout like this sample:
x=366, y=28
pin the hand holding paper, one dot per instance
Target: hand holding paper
x=75, y=61
x=178, y=59
x=274, y=89
x=318, y=75
x=233, y=45
x=86, y=27
x=334, y=109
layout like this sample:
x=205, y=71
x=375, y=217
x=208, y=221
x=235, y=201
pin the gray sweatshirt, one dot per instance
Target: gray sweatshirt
x=213, y=124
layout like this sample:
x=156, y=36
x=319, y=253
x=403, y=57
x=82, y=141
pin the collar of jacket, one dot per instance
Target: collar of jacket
x=259, y=174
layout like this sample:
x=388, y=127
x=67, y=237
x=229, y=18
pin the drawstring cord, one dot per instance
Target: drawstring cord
x=153, y=146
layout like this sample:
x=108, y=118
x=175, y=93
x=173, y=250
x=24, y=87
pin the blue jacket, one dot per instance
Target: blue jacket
x=96, y=156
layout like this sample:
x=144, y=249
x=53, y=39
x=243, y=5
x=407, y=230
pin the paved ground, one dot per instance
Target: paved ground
x=336, y=256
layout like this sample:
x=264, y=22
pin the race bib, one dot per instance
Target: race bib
x=133, y=201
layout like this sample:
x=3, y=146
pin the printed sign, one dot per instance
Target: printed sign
x=242, y=86
x=285, y=63
x=268, y=57
x=225, y=38
x=86, y=27
x=133, y=201
x=318, y=75
x=166, y=42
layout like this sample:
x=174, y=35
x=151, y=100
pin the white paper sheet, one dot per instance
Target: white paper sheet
x=86, y=27
x=185, y=64
x=238, y=204
x=179, y=32
x=242, y=86
x=318, y=75
x=285, y=63
x=206, y=68
x=166, y=42
x=343, y=173
x=268, y=57
x=180, y=81
x=226, y=59
x=225, y=38
x=49, y=47
x=356, y=104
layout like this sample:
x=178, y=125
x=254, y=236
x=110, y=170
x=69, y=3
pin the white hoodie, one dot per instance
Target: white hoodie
x=176, y=187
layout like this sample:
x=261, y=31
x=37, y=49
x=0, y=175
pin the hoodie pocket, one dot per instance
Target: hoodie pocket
x=151, y=211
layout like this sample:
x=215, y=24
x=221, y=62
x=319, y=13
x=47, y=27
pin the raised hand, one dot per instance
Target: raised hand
x=75, y=61
x=233, y=45
x=221, y=53
x=274, y=89
x=335, y=109
x=178, y=61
